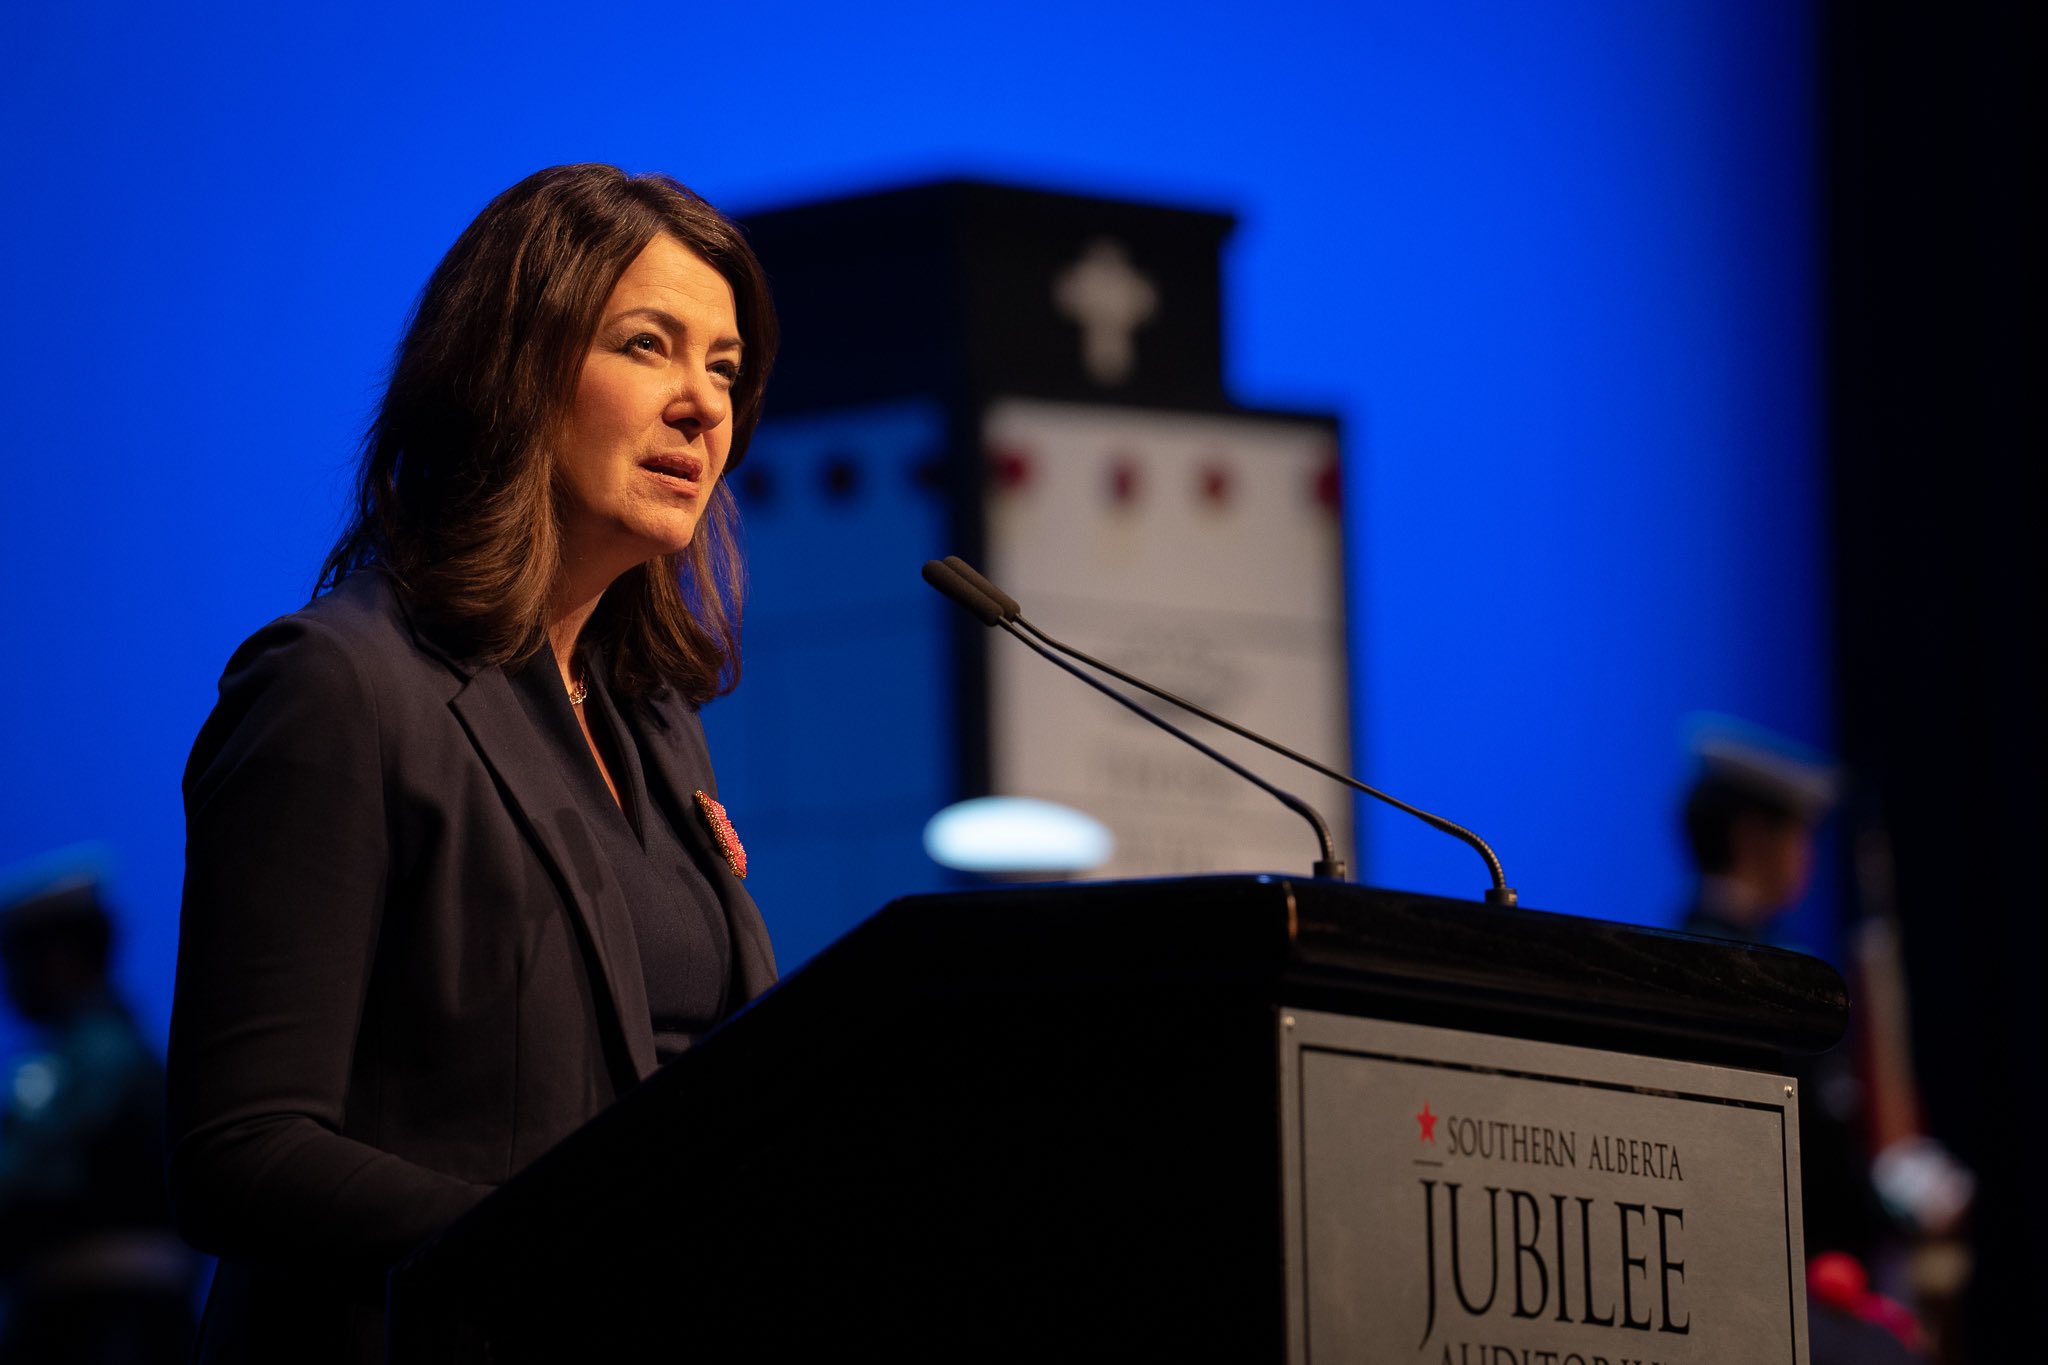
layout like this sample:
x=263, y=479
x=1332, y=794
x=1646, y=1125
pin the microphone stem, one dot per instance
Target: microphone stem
x=1329, y=865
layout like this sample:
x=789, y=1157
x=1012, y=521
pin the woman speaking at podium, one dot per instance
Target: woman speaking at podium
x=456, y=873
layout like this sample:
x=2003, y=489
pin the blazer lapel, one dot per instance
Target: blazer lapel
x=489, y=710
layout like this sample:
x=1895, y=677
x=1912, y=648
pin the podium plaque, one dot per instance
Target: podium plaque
x=1455, y=1198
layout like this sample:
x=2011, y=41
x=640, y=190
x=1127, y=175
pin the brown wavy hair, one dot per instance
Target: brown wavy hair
x=456, y=496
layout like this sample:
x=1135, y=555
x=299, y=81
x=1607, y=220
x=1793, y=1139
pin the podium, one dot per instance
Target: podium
x=1245, y=1118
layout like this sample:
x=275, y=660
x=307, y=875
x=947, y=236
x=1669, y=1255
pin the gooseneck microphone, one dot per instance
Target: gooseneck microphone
x=995, y=607
x=990, y=606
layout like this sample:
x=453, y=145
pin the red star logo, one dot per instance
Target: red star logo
x=1428, y=1122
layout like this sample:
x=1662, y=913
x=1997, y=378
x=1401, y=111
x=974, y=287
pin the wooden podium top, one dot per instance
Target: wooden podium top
x=1358, y=949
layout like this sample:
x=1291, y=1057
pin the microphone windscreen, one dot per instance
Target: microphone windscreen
x=943, y=577
x=1005, y=604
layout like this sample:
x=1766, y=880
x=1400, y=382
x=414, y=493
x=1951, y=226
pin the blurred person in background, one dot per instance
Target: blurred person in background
x=1873, y=1183
x=1750, y=819
x=90, y=1269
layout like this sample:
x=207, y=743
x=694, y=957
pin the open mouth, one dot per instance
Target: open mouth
x=679, y=469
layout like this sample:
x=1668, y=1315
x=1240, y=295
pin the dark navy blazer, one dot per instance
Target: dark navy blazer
x=404, y=969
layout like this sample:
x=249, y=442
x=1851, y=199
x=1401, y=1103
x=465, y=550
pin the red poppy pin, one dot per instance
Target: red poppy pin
x=723, y=834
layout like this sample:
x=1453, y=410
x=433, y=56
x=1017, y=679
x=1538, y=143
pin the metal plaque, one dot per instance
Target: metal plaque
x=1459, y=1199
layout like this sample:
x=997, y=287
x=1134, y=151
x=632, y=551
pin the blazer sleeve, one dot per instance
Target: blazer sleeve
x=286, y=865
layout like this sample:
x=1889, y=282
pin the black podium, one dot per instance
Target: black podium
x=1218, y=1118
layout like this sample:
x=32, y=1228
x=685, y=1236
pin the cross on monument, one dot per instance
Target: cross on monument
x=1110, y=299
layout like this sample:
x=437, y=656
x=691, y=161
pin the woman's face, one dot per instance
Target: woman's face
x=651, y=423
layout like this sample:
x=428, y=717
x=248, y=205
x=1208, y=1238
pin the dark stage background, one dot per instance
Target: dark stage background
x=1566, y=273
x=1933, y=235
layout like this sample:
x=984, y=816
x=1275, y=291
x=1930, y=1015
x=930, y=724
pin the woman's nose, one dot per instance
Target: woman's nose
x=698, y=403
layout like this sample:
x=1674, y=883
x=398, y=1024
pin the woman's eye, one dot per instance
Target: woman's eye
x=645, y=342
x=729, y=370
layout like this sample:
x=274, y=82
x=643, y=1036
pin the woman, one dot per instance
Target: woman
x=456, y=873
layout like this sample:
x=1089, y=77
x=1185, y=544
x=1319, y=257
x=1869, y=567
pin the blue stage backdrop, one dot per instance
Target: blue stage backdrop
x=1553, y=265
